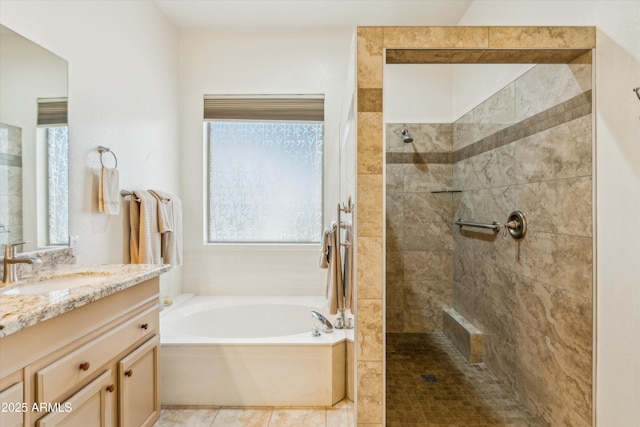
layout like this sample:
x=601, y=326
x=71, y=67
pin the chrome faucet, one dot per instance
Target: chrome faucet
x=326, y=325
x=11, y=262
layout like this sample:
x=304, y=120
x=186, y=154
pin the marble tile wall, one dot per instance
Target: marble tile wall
x=419, y=246
x=528, y=148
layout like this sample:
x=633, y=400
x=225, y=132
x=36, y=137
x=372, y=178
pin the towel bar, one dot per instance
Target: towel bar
x=495, y=225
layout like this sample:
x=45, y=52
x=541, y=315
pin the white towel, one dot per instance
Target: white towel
x=165, y=211
x=335, y=291
x=170, y=225
x=145, y=238
x=324, y=249
x=108, y=191
x=348, y=268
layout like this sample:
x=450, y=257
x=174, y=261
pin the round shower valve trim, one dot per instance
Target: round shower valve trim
x=517, y=225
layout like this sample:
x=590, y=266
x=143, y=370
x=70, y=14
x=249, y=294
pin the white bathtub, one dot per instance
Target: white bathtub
x=249, y=351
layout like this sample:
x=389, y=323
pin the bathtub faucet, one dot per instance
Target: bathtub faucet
x=327, y=326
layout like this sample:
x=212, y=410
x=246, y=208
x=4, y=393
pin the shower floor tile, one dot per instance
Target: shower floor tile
x=455, y=392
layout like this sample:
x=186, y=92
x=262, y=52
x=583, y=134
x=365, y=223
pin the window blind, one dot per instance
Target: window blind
x=266, y=108
x=52, y=111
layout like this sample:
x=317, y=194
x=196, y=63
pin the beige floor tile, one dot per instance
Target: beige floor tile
x=250, y=417
x=338, y=416
x=186, y=418
x=296, y=417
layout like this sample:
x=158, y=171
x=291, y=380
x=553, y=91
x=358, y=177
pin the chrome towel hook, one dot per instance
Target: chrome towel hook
x=103, y=150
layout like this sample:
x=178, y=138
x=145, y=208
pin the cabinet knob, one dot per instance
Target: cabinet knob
x=85, y=366
x=128, y=373
x=144, y=326
x=110, y=388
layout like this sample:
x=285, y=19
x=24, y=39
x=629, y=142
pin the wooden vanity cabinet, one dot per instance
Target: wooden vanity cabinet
x=11, y=394
x=96, y=365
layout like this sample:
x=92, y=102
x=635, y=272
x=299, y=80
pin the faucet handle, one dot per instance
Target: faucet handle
x=10, y=249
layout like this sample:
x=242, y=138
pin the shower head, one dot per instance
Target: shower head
x=406, y=137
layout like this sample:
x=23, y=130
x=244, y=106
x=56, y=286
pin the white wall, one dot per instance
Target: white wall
x=313, y=62
x=418, y=93
x=617, y=162
x=123, y=83
x=441, y=93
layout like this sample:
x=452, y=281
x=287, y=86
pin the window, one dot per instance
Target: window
x=52, y=116
x=58, y=178
x=264, y=169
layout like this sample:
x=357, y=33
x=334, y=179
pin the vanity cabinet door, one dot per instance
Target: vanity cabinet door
x=138, y=376
x=93, y=405
x=12, y=413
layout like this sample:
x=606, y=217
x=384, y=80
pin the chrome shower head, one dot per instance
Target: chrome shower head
x=406, y=137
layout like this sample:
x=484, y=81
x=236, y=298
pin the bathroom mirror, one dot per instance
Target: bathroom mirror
x=33, y=144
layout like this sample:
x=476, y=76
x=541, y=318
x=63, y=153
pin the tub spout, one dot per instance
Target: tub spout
x=326, y=325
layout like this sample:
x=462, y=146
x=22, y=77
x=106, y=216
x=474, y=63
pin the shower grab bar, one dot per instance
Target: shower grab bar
x=495, y=225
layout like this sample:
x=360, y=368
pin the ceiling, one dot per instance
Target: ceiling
x=296, y=15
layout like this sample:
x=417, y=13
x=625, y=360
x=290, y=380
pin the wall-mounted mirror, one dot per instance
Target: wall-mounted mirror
x=33, y=144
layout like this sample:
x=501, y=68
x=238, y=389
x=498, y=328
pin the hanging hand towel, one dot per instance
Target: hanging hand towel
x=170, y=225
x=335, y=291
x=324, y=249
x=348, y=268
x=145, y=237
x=165, y=211
x=108, y=193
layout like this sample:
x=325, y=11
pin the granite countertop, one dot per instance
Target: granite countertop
x=23, y=310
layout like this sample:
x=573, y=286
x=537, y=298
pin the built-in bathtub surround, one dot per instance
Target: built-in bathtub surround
x=232, y=350
x=419, y=246
x=10, y=184
x=528, y=148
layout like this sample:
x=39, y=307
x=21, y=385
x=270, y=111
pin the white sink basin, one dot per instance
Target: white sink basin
x=55, y=283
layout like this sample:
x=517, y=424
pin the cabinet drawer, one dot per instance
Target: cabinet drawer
x=61, y=377
x=93, y=405
x=11, y=416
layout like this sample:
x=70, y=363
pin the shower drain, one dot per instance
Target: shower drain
x=429, y=378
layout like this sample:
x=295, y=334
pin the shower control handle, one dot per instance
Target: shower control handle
x=517, y=225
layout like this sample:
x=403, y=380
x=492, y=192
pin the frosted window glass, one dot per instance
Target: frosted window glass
x=265, y=181
x=58, y=177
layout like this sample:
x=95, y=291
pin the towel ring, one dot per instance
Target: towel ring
x=103, y=150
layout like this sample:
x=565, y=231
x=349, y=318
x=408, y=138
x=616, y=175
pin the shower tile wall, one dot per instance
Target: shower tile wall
x=419, y=227
x=10, y=183
x=528, y=148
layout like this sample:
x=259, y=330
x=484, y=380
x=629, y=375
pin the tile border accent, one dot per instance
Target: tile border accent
x=574, y=108
x=420, y=158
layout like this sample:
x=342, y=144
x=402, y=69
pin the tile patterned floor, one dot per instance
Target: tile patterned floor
x=463, y=394
x=340, y=415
